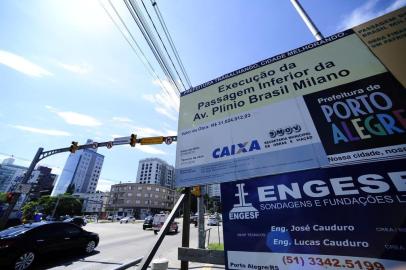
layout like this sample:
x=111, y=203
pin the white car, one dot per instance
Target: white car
x=127, y=219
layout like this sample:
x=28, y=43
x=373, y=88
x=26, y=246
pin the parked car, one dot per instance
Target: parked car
x=114, y=217
x=147, y=222
x=77, y=221
x=127, y=219
x=159, y=220
x=20, y=245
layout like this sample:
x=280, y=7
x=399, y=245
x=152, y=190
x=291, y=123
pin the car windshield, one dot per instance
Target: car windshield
x=17, y=230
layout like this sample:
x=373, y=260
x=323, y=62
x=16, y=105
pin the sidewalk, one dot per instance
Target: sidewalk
x=174, y=263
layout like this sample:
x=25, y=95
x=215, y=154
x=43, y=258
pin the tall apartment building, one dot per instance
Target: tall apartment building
x=82, y=169
x=10, y=174
x=42, y=181
x=155, y=171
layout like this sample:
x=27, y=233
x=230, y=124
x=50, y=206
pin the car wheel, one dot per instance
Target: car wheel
x=24, y=261
x=155, y=232
x=143, y=228
x=90, y=246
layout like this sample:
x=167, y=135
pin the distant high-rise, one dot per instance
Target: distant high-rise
x=155, y=171
x=81, y=172
x=10, y=174
x=42, y=180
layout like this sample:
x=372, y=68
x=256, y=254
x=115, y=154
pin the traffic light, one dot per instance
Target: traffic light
x=73, y=147
x=196, y=191
x=133, y=140
x=10, y=196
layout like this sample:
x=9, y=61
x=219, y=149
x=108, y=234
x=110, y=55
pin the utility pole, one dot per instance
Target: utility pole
x=200, y=207
x=184, y=265
x=308, y=21
x=56, y=206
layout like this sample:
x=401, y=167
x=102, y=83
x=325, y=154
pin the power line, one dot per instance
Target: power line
x=172, y=44
x=149, y=39
x=163, y=44
x=143, y=59
x=140, y=21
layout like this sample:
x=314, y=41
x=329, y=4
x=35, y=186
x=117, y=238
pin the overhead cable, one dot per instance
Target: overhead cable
x=146, y=32
x=139, y=53
x=163, y=44
x=172, y=44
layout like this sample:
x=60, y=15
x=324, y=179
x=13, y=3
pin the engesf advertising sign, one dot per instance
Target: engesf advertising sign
x=331, y=102
x=350, y=217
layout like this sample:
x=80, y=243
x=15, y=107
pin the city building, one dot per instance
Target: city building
x=139, y=199
x=10, y=174
x=81, y=172
x=213, y=190
x=42, y=181
x=92, y=202
x=155, y=171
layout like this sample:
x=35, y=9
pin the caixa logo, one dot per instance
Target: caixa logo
x=242, y=209
x=282, y=131
x=235, y=149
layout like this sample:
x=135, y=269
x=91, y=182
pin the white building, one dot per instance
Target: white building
x=214, y=190
x=10, y=174
x=82, y=169
x=92, y=202
x=155, y=171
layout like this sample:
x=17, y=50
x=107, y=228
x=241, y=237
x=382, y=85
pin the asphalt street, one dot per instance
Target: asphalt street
x=122, y=243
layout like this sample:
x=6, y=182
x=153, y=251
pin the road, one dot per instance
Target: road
x=121, y=243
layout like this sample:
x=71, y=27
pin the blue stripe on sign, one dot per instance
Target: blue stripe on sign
x=294, y=159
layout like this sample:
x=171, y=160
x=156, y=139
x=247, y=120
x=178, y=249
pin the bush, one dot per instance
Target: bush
x=216, y=246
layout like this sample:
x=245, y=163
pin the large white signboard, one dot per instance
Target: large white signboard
x=329, y=102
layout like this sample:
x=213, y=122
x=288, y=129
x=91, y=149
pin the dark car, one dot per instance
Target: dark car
x=77, y=221
x=147, y=222
x=20, y=245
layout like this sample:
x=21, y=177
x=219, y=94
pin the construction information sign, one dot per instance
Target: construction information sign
x=350, y=217
x=331, y=102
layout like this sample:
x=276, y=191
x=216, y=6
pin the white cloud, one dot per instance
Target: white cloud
x=74, y=118
x=166, y=101
x=150, y=150
x=367, y=12
x=146, y=131
x=78, y=69
x=79, y=119
x=170, y=132
x=104, y=184
x=122, y=119
x=50, y=132
x=22, y=65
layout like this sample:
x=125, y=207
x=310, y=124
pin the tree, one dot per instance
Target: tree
x=63, y=205
x=29, y=210
x=3, y=197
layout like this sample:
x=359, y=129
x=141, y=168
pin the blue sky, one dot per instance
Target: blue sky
x=66, y=73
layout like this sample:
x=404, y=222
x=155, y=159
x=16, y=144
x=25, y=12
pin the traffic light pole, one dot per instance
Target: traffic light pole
x=40, y=155
x=27, y=175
